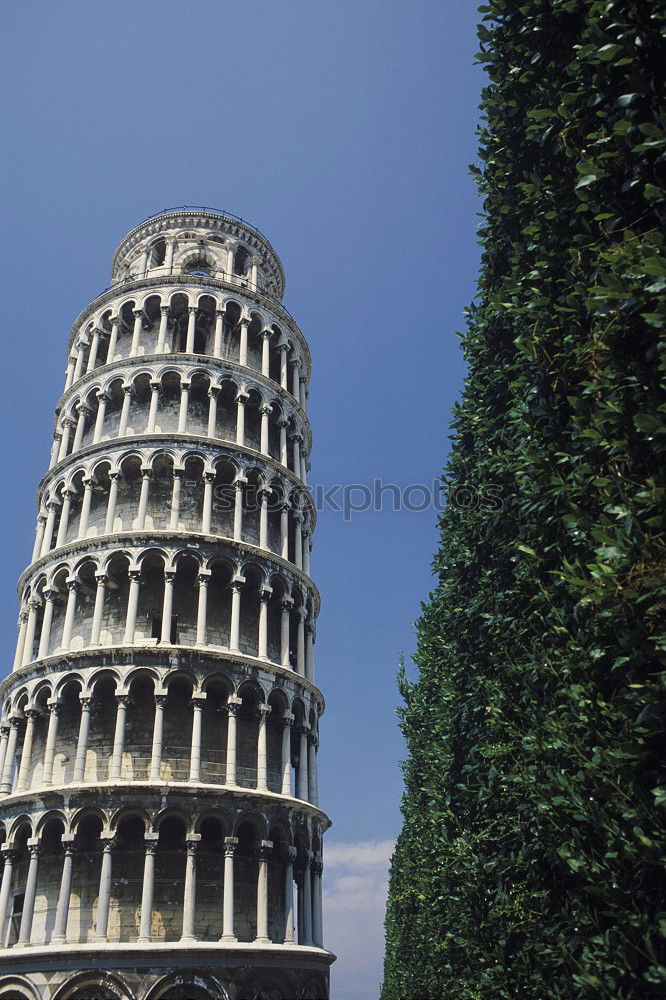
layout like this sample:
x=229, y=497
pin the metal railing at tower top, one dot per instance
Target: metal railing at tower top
x=203, y=208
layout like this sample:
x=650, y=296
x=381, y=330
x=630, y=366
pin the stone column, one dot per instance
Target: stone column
x=207, y=512
x=59, y=933
x=242, y=356
x=154, y=403
x=10, y=757
x=309, y=650
x=234, y=638
x=191, y=325
x=30, y=892
x=85, y=507
x=94, y=347
x=284, y=530
x=202, y=608
x=312, y=768
x=67, y=425
x=265, y=352
x=219, y=330
x=51, y=738
x=104, y=894
x=262, y=645
x=233, y=707
x=241, y=400
x=143, y=499
x=39, y=537
x=174, y=517
x=98, y=611
x=64, y=517
x=136, y=332
x=262, y=755
x=265, y=412
x=82, y=744
x=161, y=335
x=80, y=356
x=230, y=263
x=69, y=373
x=158, y=728
x=230, y=845
x=300, y=642
x=213, y=393
x=264, y=496
x=287, y=723
x=190, y=890
x=70, y=611
x=9, y=858
x=184, y=404
x=148, y=889
x=307, y=900
x=303, y=394
x=111, y=502
x=4, y=739
x=125, y=411
x=47, y=623
x=284, y=350
x=295, y=376
x=304, y=466
x=317, y=922
x=20, y=642
x=285, y=608
x=31, y=626
x=83, y=412
x=296, y=456
x=302, y=782
x=23, y=780
x=195, y=745
x=119, y=736
x=168, y=260
x=113, y=338
x=282, y=425
x=52, y=508
x=289, y=896
x=167, y=605
x=262, y=893
x=239, y=486
x=132, y=605
x=298, y=540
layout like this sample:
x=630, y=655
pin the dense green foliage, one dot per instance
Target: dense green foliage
x=531, y=858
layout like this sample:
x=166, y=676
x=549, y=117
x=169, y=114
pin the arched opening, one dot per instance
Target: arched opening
x=87, y=866
x=247, y=736
x=177, y=739
x=214, y=723
x=139, y=729
x=210, y=880
x=127, y=880
x=246, y=870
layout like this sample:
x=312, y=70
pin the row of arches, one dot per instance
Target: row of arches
x=161, y=490
x=182, y=877
x=177, y=401
x=154, y=596
x=182, y=321
x=204, y=984
x=145, y=728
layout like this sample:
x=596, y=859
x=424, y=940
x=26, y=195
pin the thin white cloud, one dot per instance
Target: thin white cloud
x=355, y=886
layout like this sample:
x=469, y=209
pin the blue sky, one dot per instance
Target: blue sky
x=343, y=131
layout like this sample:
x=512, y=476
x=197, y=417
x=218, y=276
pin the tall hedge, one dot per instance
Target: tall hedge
x=531, y=860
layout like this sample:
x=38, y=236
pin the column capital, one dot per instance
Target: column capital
x=9, y=853
x=266, y=332
x=265, y=593
x=170, y=575
x=192, y=309
x=263, y=711
x=155, y=385
x=191, y=843
x=230, y=845
x=108, y=843
x=134, y=574
x=197, y=701
x=101, y=578
x=214, y=390
x=160, y=699
x=234, y=704
x=123, y=699
x=54, y=706
x=264, y=849
x=34, y=847
x=86, y=701
x=286, y=603
x=287, y=720
x=203, y=577
x=242, y=398
x=150, y=842
x=220, y=312
x=165, y=310
x=101, y=395
x=265, y=410
x=291, y=853
x=295, y=362
x=73, y=585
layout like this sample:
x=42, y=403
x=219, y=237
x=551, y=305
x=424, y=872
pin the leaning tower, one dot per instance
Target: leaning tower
x=159, y=818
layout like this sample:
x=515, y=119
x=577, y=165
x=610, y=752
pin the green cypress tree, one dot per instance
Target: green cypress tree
x=530, y=863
